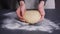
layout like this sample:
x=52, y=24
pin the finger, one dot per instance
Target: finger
x=22, y=20
x=42, y=18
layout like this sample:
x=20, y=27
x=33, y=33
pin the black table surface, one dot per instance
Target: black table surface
x=51, y=14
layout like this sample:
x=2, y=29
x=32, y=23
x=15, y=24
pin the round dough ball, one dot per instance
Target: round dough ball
x=32, y=16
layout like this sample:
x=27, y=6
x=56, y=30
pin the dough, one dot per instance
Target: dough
x=32, y=16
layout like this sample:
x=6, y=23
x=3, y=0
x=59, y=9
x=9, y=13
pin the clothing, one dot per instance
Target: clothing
x=11, y=4
x=8, y=4
x=32, y=4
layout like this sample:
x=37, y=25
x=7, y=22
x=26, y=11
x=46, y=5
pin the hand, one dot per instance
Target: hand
x=41, y=10
x=21, y=10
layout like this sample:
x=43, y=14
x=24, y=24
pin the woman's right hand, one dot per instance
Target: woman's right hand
x=21, y=10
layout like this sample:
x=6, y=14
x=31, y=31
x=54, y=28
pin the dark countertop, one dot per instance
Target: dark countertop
x=51, y=14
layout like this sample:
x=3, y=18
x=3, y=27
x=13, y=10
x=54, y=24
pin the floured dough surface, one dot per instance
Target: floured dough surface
x=32, y=16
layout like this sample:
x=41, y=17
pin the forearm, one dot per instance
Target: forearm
x=19, y=8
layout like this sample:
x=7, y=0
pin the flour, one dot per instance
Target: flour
x=11, y=23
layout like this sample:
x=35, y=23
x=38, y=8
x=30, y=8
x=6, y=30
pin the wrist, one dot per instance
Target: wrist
x=20, y=1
